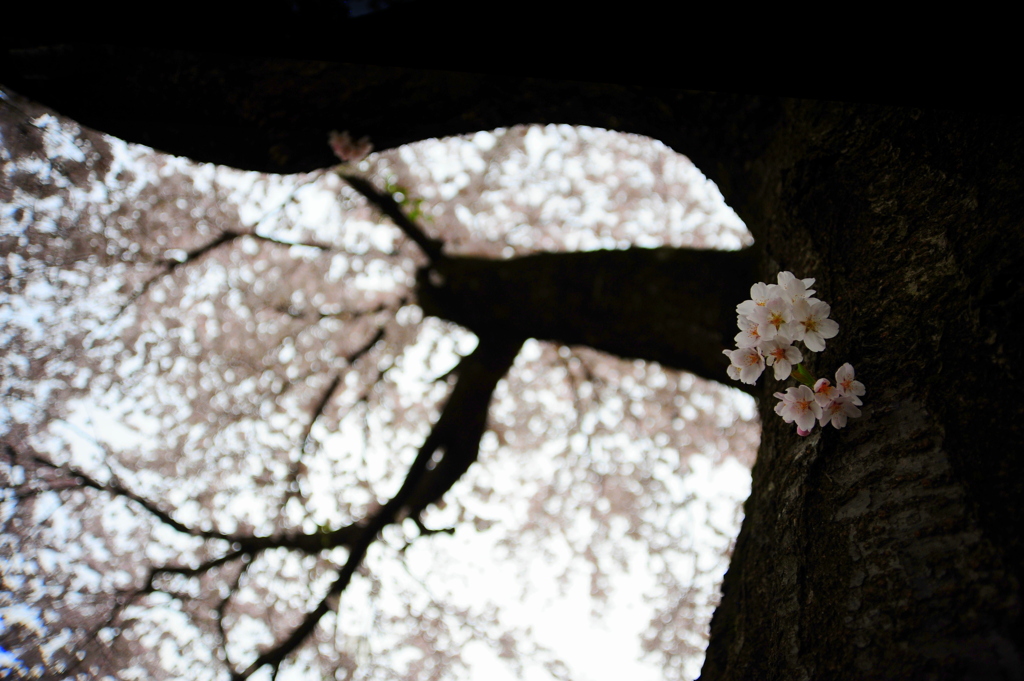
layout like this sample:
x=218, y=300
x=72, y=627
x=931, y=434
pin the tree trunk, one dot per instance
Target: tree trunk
x=890, y=549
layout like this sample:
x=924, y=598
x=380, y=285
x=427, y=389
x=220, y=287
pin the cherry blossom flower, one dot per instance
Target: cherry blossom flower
x=773, y=317
x=769, y=318
x=781, y=354
x=838, y=410
x=798, y=405
x=824, y=391
x=749, y=335
x=760, y=294
x=795, y=289
x=848, y=386
x=812, y=325
x=747, y=364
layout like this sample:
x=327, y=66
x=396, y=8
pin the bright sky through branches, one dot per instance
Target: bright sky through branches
x=139, y=354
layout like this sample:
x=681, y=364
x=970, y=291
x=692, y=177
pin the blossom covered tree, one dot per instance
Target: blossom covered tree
x=888, y=549
x=217, y=380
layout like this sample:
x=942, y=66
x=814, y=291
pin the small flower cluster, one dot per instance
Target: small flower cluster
x=347, y=150
x=776, y=317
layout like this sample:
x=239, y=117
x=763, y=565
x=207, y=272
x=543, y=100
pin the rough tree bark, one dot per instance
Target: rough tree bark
x=892, y=549
x=887, y=550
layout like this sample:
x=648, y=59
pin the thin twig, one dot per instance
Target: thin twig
x=225, y=237
x=222, y=608
x=310, y=543
x=117, y=489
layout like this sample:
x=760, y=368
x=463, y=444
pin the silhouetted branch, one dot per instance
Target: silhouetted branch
x=587, y=298
x=271, y=240
x=344, y=315
x=318, y=411
x=225, y=237
x=457, y=433
x=222, y=607
x=388, y=206
x=326, y=398
x=199, y=569
x=464, y=419
x=310, y=179
x=115, y=488
x=311, y=543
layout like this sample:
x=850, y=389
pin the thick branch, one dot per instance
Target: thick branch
x=458, y=431
x=673, y=306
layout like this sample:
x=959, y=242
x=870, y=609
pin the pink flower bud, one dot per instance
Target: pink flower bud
x=347, y=150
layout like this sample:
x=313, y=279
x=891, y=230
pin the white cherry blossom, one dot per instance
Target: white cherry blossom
x=824, y=391
x=795, y=289
x=798, y=405
x=772, y=318
x=838, y=410
x=812, y=325
x=776, y=317
x=747, y=364
x=848, y=386
x=749, y=335
x=781, y=355
x=760, y=294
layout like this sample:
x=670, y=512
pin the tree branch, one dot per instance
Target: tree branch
x=674, y=306
x=225, y=237
x=115, y=488
x=311, y=543
x=457, y=433
x=387, y=205
x=202, y=568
